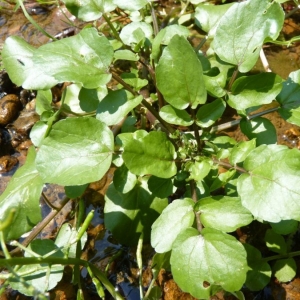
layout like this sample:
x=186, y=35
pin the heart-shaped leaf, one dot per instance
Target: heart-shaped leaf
x=213, y=257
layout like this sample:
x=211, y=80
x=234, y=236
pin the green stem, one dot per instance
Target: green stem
x=233, y=77
x=281, y=256
x=113, y=29
x=229, y=166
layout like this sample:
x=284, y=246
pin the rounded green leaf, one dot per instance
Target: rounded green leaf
x=77, y=151
x=259, y=271
x=207, y=17
x=260, y=129
x=160, y=187
x=124, y=181
x=243, y=28
x=275, y=242
x=128, y=215
x=83, y=58
x=270, y=189
x=289, y=99
x=285, y=269
x=175, y=116
x=153, y=154
x=213, y=257
x=254, y=90
x=135, y=33
x=209, y=113
x=132, y=5
x=285, y=226
x=178, y=216
x=179, y=75
x=115, y=106
x=88, y=10
x=241, y=150
x=164, y=37
x=223, y=213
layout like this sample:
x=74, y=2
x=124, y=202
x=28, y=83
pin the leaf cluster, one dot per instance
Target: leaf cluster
x=178, y=182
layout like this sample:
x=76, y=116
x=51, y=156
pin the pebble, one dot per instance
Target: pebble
x=10, y=106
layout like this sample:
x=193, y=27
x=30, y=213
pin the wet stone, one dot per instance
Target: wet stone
x=7, y=162
x=10, y=106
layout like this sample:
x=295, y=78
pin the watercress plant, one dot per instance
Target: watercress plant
x=178, y=182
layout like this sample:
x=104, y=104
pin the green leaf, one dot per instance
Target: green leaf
x=270, y=189
x=23, y=194
x=289, y=98
x=275, y=242
x=132, y=5
x=216, y=76
x=209, y=113
x=241, y=150
x=89, y=98
x=135, y=33
x=38, y=132
x=75, y=190
x=115, y=106
x=133, y=80
x=160, y=187
x=160, y=261
x=43, y=101
x=260, y=129
x=83, y=59
x=164, y=37
x=285, y=269
x=198, y=170
x=239, y=42
x=89, y=10
x=285, y=226
x=124, y=181
x=207, y=17
x=259, y=273
x=175, y=116
x=65, y=240
x=222, y=179
x=254, y=90
x=153, y=154
x=213, y=257
x=126, y=55
x=80, y=150
x=128, y=215
x=175, y=218
x=35, y=276
x=179, y=75
x=223, y=213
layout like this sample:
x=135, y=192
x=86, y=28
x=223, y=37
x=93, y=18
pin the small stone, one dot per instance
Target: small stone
x=9, y=109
